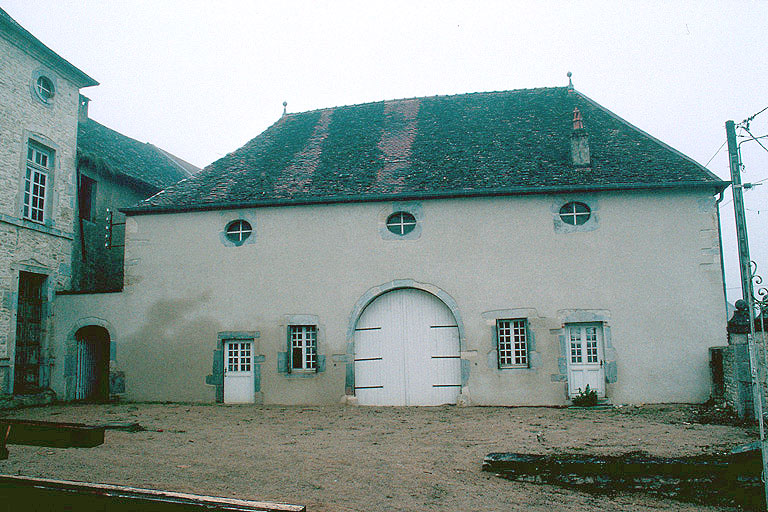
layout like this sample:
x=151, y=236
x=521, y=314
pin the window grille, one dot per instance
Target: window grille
x=303, y=347
x=512, y=339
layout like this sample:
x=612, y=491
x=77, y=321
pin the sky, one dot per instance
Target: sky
x=201, y=78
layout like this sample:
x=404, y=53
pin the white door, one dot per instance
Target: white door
x=238, y=372
x=407, y=351
x=585, y=358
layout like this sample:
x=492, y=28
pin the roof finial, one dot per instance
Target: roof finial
x=577, y=122
x=285, y=106
x=570, y=83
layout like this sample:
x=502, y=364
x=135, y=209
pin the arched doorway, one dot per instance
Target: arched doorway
x=92, y=364
x=407, y=351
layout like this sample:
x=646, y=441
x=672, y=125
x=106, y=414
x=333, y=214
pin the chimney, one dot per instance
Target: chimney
x=82, y=112
x=579, y=142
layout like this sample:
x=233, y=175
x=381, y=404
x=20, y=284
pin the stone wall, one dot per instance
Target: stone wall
x=43, y=248
x=96, y=267
x=732, y=362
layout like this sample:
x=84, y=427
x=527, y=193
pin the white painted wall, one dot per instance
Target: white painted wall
x=651, y=265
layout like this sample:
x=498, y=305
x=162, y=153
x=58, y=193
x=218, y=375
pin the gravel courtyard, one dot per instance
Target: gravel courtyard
x=340, y=458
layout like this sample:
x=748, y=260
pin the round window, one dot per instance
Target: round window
x=44, y=88
x=575, y=213
x=401, y=223
x=238, y=231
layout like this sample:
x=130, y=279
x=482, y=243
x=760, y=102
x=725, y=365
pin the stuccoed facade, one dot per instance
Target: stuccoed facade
x=504, y=248
x=41, y=246
x=488, y=258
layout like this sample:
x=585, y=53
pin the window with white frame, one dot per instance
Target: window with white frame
x=44, y=88
x=575, y=213
x=512, y=343
x=238, y=231
x=303, y=339
x=37, y=182
x=401, y=223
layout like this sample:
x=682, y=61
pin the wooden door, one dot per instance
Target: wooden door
x=29, y=333
x=238, y=372
x=585, y=358
x=407, y=351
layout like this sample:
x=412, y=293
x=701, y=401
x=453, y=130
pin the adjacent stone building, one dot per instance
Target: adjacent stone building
x=60, y=172
x=504, y=248
x=39, y=97
x=113, y=172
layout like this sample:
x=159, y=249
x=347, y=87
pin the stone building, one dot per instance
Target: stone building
x=113, y=172
x=39, y=93
x=59, y=173
x=504, y=248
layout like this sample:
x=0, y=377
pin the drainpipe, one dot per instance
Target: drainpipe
x=720, y=244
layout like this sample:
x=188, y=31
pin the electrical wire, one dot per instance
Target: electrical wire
x=755, y=139
x=750, y=118
x=716, y=152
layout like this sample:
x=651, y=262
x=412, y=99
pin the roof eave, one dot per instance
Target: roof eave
x=75, y=74
x=714, y=186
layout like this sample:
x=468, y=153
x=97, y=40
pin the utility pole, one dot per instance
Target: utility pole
x=745, y=267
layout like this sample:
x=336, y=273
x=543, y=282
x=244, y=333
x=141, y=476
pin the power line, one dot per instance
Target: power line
x=750, y=118
x=755, y=138
x=716, y=152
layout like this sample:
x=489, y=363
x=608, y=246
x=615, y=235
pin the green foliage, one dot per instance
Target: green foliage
x=586, y=398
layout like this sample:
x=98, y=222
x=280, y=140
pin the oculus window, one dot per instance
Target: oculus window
x=401, y=223
x=575, y=213
x=238, y=231
x=44, y=88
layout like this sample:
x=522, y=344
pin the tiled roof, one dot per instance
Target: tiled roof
x=471, y=144
x=106, y=150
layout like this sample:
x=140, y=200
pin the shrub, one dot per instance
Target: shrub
x=586, y=398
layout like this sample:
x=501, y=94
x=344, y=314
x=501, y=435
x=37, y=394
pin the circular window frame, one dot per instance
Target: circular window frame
x=45, y=92
x=238, y=236
x=569, y=213
x=406, y=223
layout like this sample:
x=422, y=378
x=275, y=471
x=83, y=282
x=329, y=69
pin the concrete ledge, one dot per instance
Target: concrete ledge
x=732, y=480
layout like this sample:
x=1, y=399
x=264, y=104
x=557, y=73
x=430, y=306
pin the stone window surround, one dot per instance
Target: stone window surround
x=563, y=227
x=414, y=208
x=50, y=75
x=490, y=319
x=51, y=194
x=227, y=218
x=284, y=358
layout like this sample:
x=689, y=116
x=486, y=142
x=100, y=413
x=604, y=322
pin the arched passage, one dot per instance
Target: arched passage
x=92, y=363
x=407, y=350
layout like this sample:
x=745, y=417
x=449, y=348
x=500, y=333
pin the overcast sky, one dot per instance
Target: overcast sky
x=200, y=79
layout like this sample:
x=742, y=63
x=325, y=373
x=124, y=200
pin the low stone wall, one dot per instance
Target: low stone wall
x=732, y=377
x=732, y=480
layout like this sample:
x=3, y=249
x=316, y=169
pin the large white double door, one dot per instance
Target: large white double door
x=407, y=351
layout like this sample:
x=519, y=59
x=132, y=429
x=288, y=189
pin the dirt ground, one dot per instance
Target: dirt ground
x=341, y=458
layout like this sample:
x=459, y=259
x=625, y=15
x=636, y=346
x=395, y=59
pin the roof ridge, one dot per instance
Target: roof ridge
x=475, y=93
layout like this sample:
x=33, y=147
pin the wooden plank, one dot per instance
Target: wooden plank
x=54, y=434
x=47, y=494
